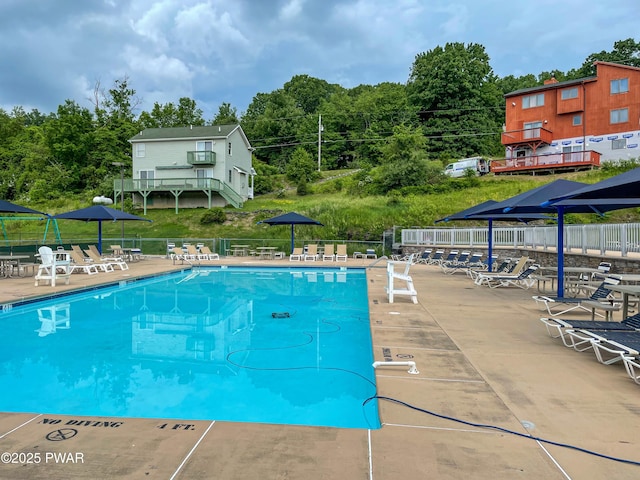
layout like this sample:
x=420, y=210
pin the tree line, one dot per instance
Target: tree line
x=398, y=135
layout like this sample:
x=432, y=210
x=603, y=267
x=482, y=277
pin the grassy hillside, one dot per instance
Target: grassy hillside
x=345, y=216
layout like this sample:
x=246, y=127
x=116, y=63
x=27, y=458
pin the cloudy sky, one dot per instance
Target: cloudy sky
x=217, y=51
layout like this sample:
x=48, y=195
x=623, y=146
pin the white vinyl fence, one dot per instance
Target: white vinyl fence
x=603, y=238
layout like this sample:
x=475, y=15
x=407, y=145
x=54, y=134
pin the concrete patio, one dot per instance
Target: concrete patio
x=483, y=356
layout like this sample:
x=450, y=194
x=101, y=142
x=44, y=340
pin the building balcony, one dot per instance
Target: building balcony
x=527, y=136
x=201, y=158
x=552, y=162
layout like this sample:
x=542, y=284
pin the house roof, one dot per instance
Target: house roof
x=172, y=133
x=550, y=86
x=567, y=83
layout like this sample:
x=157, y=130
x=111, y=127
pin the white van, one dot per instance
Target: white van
x=457, y=169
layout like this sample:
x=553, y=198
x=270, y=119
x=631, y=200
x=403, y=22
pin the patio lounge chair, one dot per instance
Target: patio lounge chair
x=513, y=269
x=341, y=253
x=451, y=256
x=51, y=267
x=423, y=258
x=311, y=253
x=96, y=254
x=106, y=265
x=177, y=253
x=610, y=346
x=556, y=327
x=601, y=298
x=296, y=255
x=436, y=257
x=328, y=255
x=632, y=365
x=80, y=264
x=204, y=250
x=193, y=253
x=523, y=280
x=472, y=261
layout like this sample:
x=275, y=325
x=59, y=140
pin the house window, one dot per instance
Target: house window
x=620, y=85
x=229, y=148
x=532, y=129
x=230, y=178
x=619, y=116
x=569, y=93
x=618, y=143
x=577, y=120
x=531, y=101
x=140, y=150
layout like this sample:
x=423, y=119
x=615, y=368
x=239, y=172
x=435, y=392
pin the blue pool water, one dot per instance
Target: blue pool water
x=269, y=345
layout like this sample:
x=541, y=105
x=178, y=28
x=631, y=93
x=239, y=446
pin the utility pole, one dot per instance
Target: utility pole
x=320, y=128
x=121, y=165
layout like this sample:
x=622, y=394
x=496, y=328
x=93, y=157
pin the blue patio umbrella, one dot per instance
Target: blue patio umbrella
x=8, y=207
x=540, y=200
x=98, y=213
x=472, y=214
x=624, y=188
x=291, y=218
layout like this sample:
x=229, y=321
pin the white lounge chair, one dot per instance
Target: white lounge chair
x=79, y=264
x=328, y=255
x=311, y=253
x=296, y=255
x=341, y=253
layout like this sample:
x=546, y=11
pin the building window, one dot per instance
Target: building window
x=577, y=120
x=618, y=143
x=619, y=116
x=140, y=150
x=531, y=101
x=229, y=148
x=620, y=85
x=230, y=178
x=569, y=93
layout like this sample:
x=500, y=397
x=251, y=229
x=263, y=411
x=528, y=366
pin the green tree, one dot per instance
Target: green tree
x=227, y=115
x=301, y=166
x=403, y=160
x=626, y=52
x=459, y=104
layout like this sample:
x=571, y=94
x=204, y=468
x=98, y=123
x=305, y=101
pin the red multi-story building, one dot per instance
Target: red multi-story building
x=573, y=124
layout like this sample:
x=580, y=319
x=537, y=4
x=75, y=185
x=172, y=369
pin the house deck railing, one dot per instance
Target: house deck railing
x=622, y=238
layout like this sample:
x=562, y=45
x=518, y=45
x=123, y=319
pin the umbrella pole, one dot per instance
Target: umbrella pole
x=490, y=249
x=100, y=237
x=560, y=248
x=292, y=238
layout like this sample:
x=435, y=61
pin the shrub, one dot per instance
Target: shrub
x=213, y=216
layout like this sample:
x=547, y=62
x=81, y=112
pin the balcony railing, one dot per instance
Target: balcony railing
x=201, y=158
x=553, y=161
x=528, y=135
x=166, y=184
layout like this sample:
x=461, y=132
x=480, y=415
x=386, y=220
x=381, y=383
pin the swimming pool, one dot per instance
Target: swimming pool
x=268, y=345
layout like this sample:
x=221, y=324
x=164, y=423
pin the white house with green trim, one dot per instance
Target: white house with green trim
x=189, y=167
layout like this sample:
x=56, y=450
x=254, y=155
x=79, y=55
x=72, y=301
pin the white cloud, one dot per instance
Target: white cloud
x=291, y=10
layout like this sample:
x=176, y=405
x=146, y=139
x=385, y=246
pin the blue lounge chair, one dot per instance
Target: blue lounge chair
x=601, y=296
x=556, y=327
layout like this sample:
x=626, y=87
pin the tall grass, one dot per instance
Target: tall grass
x=344, y=216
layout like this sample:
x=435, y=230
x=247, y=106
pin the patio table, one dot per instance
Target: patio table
x=627, y=291
x=266, y=252
x=8, y=262
x=239, y=250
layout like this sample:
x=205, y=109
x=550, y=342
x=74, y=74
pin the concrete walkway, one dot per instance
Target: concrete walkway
x=483, y=356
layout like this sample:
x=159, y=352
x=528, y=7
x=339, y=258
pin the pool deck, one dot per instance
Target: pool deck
x=483, y=356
